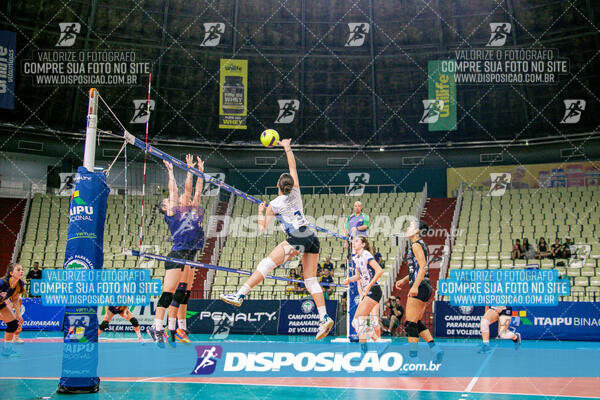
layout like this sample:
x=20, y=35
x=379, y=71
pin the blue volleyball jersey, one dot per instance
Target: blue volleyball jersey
x=363, y=269
x=186, y=228
x=8, y=292
x=413, y=264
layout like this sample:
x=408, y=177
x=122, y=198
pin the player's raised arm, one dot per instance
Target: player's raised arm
x=189, y=181
x=199, y=185
x=286, y=144
x=173, y=192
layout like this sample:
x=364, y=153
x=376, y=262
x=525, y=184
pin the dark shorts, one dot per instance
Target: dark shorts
x=425, y=291
x=375, y=293
x=188, y=255
x=304, y=241
x=117, y=310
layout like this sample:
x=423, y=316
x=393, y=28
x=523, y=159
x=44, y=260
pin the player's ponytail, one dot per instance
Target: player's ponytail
x=365, y=241
x=285, y=183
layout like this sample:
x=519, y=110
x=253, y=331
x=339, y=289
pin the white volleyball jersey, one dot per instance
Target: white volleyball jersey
x=363, y=269
x=288, y=211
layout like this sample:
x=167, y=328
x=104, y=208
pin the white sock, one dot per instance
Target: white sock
x=172, y=323
x=322, y=311
x=243, y=290
x=181, y=324
x=486, y=341
x=158, y=324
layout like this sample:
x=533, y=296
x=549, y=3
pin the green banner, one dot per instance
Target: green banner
x=233, y=94
x=442, y=86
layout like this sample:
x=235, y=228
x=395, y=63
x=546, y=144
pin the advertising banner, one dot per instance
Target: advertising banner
x=39, y=317
x=8, y=48
x=85, y=238
x=442, y=86
x=531, y=176
x=459, y=322
x=220, y=319
x=233, y=94
x=566, y=321
x=300, y=317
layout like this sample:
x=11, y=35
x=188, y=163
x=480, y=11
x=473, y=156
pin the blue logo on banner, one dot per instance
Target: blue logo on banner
x=8, y=47
x=207, y=359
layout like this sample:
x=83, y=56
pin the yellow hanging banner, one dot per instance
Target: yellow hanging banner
x=233, y=94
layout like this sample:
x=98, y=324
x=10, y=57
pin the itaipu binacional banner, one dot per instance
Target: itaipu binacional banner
x=529, y=176
x=233, y=94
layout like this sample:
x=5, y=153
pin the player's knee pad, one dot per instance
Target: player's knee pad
x=178, y=297
x=374, y=321
x=360, y=325
x=266, y=266
x=312, y=285
x=411, y=329
x=507, y=334
x=188, y=293
x=134, y=322
x=421, y=326
x=165, y=299
x=484, y=326
x=103, y=326
x=12, y=326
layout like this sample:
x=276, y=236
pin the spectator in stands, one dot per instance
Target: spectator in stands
x=35, y=273
x=292, y=286
x=327, y=278
x=328, y=264
x=517, y=251
x=556, y=249
x=396, y=314
x=567, y=247
x=529, y=250
x=543, y=250
x=300, y=288
x=378, y=258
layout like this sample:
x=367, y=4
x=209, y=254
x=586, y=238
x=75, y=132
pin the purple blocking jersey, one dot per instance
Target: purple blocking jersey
x=186, y=228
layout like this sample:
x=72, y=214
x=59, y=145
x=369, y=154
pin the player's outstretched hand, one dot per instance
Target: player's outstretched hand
x=200, y=164
x=286, y=144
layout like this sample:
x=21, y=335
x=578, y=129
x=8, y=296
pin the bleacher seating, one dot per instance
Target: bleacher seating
x=46, y=234
x=245, y=251
x=489, y=225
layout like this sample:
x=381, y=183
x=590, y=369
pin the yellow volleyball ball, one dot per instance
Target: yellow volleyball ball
x=269, y=138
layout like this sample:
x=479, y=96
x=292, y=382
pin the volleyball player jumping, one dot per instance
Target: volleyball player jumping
x=11, y=288
x=368, y=272
x=419, y=294
x=123, y=311
x=287, y=208
x=506, y=326
x=185, y=224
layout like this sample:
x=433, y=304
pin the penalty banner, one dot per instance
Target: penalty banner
x=233, y=94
